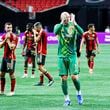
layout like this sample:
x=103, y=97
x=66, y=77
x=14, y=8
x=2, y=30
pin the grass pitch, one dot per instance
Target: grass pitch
x=95, y=89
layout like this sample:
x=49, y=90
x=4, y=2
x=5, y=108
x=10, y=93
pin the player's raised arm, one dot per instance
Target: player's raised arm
x=57, y=28
x=38, y=28
x=39, y=36
x=10, y=44
x=78, y=28
x=35, y=36
x=15, y=41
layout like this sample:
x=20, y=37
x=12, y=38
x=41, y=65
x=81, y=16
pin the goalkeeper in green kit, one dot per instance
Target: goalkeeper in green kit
x=67, y=31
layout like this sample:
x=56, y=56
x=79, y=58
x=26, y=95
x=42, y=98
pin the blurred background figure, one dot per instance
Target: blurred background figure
x=41, y=40
x=29, y=51
x=17, y=32
x=107, y=29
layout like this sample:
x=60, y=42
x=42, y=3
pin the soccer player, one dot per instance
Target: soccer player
x=9, y=42
x=29, y=50
x=41, y=40
x=67, y=31
x=91, y=41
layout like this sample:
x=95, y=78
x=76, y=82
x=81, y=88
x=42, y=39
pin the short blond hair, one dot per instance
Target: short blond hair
x=64, y=14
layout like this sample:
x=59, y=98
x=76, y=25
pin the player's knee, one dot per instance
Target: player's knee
x=74, y=77
x=64, y=77
x=2, y=75
x=91, y=58
x=39, y=67
x=12, y=76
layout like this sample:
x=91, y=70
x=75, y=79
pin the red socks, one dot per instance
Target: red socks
x=2, y=84
x=13, y=82
x=41, y=78
x=91, y=64
x=48, y=76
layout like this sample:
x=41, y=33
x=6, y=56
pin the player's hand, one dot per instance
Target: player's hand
x=63, y=17
x=63, y=20
x=34, y=45
x=7, y=35
x=40, y=32
x=35, y=32
x=72, y=17
x=12, y=46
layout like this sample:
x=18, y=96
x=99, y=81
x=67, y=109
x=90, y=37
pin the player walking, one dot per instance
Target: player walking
x=91, y=40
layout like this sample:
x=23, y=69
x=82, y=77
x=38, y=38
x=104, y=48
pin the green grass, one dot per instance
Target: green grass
x=95, y=89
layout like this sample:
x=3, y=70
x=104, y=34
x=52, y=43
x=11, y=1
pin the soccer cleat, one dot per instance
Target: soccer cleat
x=67, y=103
x=25, y=76
x=29, y=64
x=39, y=84
x=80, y=99
x=32, y=76
x=10, y=94
x=90, y=71
x=50, y=82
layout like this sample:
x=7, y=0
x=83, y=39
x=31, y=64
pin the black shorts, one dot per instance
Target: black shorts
x=41, y=59
x=91, y=53
x=8, y=65
x=78, y=53
x=30, y=53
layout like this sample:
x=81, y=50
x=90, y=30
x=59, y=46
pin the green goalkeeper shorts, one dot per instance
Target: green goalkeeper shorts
x=68, y=65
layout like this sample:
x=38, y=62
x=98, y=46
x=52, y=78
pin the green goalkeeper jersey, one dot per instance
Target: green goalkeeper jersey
x=67, y=38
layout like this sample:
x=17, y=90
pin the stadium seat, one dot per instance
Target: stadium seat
x=38, y=5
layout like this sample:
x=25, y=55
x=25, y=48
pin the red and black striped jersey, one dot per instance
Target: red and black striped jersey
x=29, y=40
x=8, y=53
x=90, y=40
x=42, y=44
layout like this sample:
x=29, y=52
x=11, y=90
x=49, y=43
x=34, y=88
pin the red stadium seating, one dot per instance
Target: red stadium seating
x=38, y=5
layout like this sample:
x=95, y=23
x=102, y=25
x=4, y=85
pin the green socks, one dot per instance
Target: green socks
x=76, y=84
x=64, y=87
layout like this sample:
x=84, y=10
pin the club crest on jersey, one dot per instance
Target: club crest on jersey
x=70, y=29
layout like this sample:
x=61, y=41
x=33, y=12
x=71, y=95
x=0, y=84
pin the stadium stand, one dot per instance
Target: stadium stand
x=37, y=5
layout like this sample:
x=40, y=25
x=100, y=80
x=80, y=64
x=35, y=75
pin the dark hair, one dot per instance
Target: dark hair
x=37, y=24
x=90, y=25
x=8, y=23
x=29, y=26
